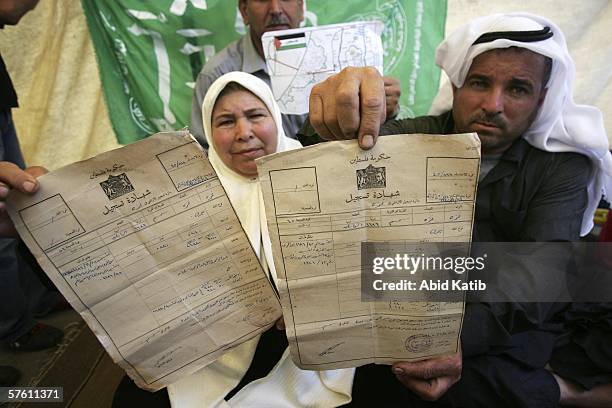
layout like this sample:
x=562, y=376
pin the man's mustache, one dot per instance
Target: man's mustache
x=277, y=19
x=490, y=119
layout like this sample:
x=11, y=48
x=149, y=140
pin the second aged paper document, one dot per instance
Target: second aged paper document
x=323, y=201
x=145, y=245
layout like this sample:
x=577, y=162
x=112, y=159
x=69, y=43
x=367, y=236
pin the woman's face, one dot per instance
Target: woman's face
x=242, y=130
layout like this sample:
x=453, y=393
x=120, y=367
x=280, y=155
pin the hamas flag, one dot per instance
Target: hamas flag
x=149, y=53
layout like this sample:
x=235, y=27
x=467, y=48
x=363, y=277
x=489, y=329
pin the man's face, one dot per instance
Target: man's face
x=500, y=97
x=270, y=15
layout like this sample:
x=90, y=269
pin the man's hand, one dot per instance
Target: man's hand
x=392, y=95
x=348, y=105
x=429, y=379
x=12, y=177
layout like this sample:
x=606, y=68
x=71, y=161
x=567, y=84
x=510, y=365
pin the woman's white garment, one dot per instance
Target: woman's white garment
x=561, y=125
x=286, y=385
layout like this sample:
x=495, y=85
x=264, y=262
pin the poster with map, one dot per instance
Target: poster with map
x=300, y=58
x=150, y=52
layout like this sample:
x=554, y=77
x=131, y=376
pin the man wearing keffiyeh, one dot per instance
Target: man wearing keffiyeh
x=545, y=164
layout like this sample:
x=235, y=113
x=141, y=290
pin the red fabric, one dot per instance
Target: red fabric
x=605, y=235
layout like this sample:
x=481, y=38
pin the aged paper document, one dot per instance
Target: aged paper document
x=323, y=201
x=145, y=245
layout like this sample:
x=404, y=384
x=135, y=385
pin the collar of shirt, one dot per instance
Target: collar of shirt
x=251, y=61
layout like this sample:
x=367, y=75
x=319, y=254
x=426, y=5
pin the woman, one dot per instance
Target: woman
x=241, y=123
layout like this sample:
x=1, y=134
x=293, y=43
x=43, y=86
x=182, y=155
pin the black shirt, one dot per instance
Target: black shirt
x=8, y=97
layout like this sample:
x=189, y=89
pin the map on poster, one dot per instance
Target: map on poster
x=297, y=59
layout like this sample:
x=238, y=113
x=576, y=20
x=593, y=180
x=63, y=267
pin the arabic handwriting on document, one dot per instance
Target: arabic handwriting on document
x=416, y=191
x=153, y=258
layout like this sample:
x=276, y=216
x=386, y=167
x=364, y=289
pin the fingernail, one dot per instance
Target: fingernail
x=367, y=141
x=3, y=191
x=28, y=186
x=397, y=371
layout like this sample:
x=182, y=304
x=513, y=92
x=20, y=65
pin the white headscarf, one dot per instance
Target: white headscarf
x=286, y=385
x=244, y=193
x=561, y=125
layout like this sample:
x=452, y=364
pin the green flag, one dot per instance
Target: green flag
x=149, y=53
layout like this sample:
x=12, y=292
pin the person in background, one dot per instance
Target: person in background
x=545, y=162
x=23, y=296
x=246, y=55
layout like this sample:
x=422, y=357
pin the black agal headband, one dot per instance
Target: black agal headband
x=520, y=36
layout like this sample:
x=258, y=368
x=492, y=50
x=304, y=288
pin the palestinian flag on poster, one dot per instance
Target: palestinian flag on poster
x=150, y=52
x=290, y=42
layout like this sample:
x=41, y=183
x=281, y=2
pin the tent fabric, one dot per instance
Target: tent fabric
x=62, y=116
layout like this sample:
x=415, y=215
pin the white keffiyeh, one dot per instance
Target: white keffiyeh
x=286, y=385
x=561, y=125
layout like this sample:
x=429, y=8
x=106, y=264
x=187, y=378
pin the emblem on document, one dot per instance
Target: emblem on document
x=116, y=186
x=371, y=177
x=418, y=343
